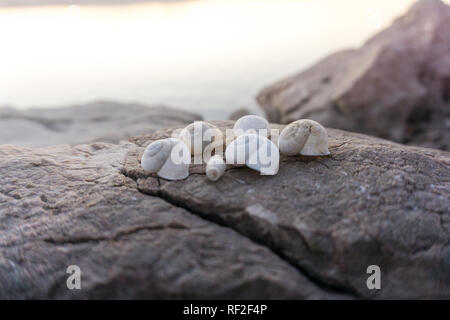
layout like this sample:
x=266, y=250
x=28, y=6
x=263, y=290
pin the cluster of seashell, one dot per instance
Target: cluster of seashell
x=249, y=146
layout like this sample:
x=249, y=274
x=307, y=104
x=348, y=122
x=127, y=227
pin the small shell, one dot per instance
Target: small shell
x=201, y=135
x=251, y=124
x=155, y=155
x=215, y=168
x=305, y=137
x=168, y=158
x=256, y=152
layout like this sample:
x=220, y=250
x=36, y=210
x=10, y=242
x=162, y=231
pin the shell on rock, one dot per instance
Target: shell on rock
x=168, y=158
x=305, y=137
x=256, y=152
x=251, y=124
x=200, y=136
x=215, y=168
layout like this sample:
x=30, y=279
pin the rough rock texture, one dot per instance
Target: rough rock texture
x=99, y=121
x=309, y=232
x=397, y=86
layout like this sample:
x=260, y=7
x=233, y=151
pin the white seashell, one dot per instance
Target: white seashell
x=256, y=152
x=168, y=158
x=215, y=168
x=200, y=135
x=305, y=137
x=155, y=155
x=251, y=124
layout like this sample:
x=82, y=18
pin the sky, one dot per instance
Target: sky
x=206, y=56
x=17, y=3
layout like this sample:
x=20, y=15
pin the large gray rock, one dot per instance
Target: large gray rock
x=103, y=121
x=397, y=86
x=309, y=232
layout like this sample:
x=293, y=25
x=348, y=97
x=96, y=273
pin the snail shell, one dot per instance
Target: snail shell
x=256, y=152
x=201, y=135
x=251, y=124
x=305, y=137
x=168, y=158
x=215, y=168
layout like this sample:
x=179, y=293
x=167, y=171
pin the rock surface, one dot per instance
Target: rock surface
x=397, y=86
x=103, y=121
x=309, y=232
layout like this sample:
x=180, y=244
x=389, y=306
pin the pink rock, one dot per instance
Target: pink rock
x=396, y=86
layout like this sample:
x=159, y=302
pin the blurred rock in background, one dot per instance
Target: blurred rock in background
x=397, y=86
x=98, y=121
x=239, y=113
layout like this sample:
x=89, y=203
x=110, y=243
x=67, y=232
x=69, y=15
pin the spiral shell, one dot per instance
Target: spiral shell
x=251, y=124
x=215, y=168
x=200, y=136
x=305, y=137
x=168, y=158
x=256, y=152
